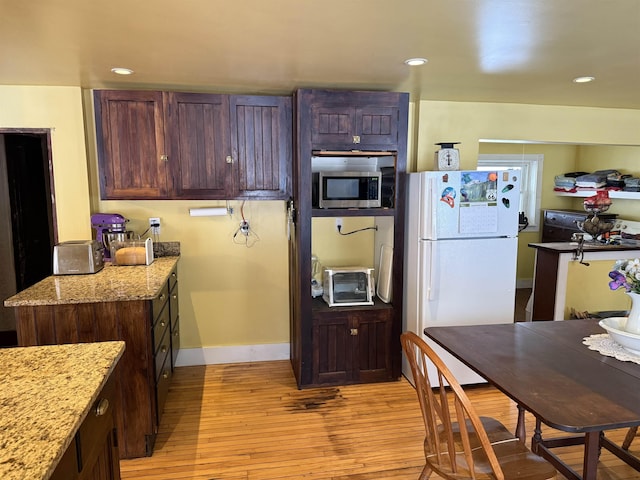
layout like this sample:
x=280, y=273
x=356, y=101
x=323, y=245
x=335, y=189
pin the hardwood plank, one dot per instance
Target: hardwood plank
x=250, y=422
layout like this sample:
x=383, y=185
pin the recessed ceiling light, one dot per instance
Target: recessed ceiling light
x=122, y=71
x=414, y=62
x=583, y=79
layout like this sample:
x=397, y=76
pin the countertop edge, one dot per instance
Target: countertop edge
x=111, y=284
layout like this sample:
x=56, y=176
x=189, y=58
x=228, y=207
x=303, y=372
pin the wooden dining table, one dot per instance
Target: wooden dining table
x=547, y=370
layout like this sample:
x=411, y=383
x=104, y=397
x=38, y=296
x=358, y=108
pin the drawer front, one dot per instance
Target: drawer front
x=159, y=329
x=175, y=341
x=173, y=279
x=160, y=301
x=162, y=353
x=173, y=304
x=98, y=424
x=162, y=388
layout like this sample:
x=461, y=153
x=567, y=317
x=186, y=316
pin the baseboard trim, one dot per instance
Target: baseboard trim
x=233, y=354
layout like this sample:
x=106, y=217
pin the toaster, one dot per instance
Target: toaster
x=78, y=257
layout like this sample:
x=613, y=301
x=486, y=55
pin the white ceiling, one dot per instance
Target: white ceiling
x=516, y=51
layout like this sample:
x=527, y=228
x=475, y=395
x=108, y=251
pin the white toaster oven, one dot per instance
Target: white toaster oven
x=348, y=286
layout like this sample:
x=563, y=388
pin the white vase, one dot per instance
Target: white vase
x=633, y=321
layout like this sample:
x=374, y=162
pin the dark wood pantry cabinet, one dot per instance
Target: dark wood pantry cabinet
x=346, y=344
x=173, y=145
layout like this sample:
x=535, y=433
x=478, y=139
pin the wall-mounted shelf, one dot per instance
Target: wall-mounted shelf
x=591, y=193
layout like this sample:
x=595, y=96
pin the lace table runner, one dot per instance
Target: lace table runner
x=604, y=344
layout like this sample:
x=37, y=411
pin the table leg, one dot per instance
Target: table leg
x=537, y=437
x=591, y=454
x=521, y=431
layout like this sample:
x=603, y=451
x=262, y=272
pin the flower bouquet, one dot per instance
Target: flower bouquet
x=626, y=274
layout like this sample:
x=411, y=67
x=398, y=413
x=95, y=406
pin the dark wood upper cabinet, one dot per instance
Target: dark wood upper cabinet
x=200, y=143
x=336, y=123
x=131, y=144
x=193, y=146
x=261, y=139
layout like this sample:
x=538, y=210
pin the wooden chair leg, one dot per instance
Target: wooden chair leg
x=629, y=438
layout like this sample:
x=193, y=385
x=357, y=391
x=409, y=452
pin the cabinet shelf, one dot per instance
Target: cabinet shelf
x=591, y=193
x=319, y=305
x=353, y=212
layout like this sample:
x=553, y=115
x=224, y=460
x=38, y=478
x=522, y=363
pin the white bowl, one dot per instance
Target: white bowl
x=615, y=327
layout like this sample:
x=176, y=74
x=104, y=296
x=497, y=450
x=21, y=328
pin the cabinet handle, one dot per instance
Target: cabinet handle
x=354, y=332
x=229, y=159
x=356, y=139
x=164, y=158
x=102, y=407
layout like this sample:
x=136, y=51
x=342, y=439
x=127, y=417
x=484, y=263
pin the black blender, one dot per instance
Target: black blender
x=110, y=227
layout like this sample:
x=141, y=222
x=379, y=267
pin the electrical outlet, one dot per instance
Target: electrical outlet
x=154, y=224
x=338, y=224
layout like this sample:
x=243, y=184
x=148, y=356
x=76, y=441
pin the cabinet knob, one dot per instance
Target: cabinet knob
x=162, y=323
x=229, y=159
x=163, y=349
x=174, y=296
x=356, y=139
x=102, y=407
x=164, y=158
x=165, y=374
x=161, y=297
x=354, y=332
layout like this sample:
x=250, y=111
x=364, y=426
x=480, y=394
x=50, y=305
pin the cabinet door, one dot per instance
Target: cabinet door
x=373, y=336
x=131, y=144
x=354, y=121
x=200, y=155
x=261, y=129
x=334, y=125
x=332, y=349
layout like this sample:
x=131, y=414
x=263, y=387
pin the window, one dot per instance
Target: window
x=531, y=180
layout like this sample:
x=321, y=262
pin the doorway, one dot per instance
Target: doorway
x=27, y=216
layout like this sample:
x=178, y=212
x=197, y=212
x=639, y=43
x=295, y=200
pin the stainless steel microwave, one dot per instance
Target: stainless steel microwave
x=348, y=189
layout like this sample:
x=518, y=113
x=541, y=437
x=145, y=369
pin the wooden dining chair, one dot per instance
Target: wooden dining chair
x=458, y=443
x=629, y=438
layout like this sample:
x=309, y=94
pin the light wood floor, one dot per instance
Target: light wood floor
x=249, y=421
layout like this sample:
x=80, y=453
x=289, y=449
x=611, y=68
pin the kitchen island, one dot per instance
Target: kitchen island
x=47, y=408
x=136, y=304
x=551, y=272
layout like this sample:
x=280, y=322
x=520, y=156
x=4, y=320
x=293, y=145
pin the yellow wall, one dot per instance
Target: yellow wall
x=233, y=295
x=230, y=294
x=468, y=123
x=58, y=109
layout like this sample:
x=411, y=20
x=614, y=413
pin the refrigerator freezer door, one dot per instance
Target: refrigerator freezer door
x=467, y=204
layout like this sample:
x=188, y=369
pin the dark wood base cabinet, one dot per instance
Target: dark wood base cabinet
x=142, y=376
x=93, y=453
x=352, y=345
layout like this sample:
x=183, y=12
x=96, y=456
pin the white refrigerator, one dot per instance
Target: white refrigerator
x=460, y=254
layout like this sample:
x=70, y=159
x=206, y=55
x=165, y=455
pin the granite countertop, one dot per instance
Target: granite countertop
x=46, y=393
x=111, y=284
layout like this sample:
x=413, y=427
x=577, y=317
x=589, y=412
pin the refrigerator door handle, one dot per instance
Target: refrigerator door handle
x=428, y=271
